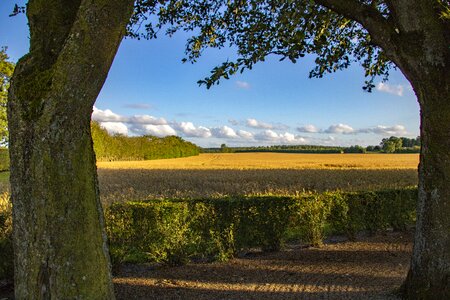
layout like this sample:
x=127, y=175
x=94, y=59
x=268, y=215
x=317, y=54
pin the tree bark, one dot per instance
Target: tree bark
x=59, y=240
x=429, y=274
x=423, y=55
x=415, y=37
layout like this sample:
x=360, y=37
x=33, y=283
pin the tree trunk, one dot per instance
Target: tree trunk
x=59, y=240
x=429, y=274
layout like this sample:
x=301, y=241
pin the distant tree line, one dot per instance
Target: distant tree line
x=397, y=145
x=109, y=147
x=387, y=145
x=276, y=148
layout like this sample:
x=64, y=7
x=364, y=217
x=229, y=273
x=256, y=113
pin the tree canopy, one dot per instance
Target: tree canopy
x=120, y=147
x=6, y=71
x=338, y=33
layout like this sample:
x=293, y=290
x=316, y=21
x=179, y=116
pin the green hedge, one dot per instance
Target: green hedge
x=6, y=247
x=175, y=231
x=4, y=159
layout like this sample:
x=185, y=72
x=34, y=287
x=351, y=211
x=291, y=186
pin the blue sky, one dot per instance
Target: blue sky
x=150, y=91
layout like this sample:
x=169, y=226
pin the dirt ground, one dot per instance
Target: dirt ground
x=369, y=268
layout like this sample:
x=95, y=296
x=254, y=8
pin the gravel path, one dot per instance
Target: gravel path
x=369, y=268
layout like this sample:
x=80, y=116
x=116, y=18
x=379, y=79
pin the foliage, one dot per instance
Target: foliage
x=410, y=143
x=4, y=159
x=6, y=247
x=355, y=149
x=288, y=29
x=6, y=71
x=312, y=213
x=120, y=147
x=397, y=145
x=408, y=146
x=392, y=144
x=175, y=231
x=278, y=149
x=225, y=149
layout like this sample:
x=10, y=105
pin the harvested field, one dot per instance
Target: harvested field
x=215, y=175
x=139, y=184
x=244, y=161
x=369, y=268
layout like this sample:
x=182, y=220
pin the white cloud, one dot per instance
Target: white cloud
x=146, y=119
x=243, y=84
x=189, y=130
x=224, y=132
x=340, y=128
x=288, y=137
x=275, y=133
x=115, y=127
x=257, y=124
x=308, y=129
x=156, y=130
x=390, y=89
x=347, y=129
x=268, y=135
x=106, y=116
x=245, y=134
x=279, y=138
x=386, y=130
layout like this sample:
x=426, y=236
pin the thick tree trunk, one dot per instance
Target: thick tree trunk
x=429, y=274
x=59, y=241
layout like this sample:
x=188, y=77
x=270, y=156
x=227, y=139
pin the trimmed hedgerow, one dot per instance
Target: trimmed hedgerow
x=4, y=159
x=175, y=231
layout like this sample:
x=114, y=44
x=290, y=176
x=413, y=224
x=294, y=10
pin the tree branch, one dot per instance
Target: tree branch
x=50, y=22
x=380, y=29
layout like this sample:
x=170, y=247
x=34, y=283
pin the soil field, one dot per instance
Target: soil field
x=369, y=268
x=243, y=161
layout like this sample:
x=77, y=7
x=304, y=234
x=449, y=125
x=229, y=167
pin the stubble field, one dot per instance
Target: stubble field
x=246, y=161
x=216, y=175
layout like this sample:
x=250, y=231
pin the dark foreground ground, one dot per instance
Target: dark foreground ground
x=368, y=268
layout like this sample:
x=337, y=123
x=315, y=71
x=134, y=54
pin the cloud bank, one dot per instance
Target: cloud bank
x=259, y=133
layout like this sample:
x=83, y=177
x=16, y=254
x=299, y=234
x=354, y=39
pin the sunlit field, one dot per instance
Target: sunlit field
x=246, y=161
x=217, y=175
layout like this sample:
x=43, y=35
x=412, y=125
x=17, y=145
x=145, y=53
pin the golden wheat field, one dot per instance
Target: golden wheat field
x=216, y=175
x=251, y=161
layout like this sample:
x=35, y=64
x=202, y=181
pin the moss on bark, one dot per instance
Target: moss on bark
x=59, y=238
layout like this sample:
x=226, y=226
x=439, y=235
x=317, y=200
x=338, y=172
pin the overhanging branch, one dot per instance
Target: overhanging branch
x=380, y=29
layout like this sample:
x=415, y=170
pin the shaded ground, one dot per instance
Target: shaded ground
x=370, y=268
x=139, y=184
